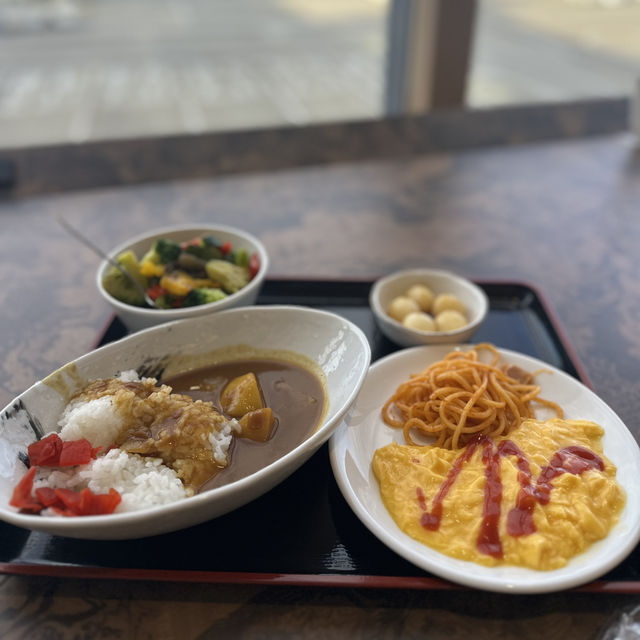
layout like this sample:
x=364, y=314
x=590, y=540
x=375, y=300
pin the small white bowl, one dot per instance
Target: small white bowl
x=136, y=318
x=337, y=347
x=386, y=289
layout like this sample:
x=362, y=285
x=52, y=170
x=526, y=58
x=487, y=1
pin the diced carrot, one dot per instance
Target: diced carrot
x=45, y=452
x=22, y=498
x=85, y=502
x=55, y=452
x=52, y=451
x=99, y=503
x=47, y=496
x=70, y=499
x=75, y=452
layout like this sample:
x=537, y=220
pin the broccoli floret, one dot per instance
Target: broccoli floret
x=203, y=296
x=166, y=250
x=231, y=277
x=162, y=252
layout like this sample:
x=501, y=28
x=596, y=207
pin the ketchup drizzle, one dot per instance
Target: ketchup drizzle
x=573, y=459
x=431, y=519
x=489, y=539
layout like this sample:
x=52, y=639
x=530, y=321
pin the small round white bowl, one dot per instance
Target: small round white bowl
x=386, y=289
x=136, y=318
x=336, y=347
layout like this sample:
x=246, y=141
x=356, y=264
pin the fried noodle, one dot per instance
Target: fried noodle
x=460, y=397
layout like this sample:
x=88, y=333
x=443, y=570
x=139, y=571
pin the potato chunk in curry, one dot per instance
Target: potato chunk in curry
x=257, y=425
x=241, y=395
x=242, y=399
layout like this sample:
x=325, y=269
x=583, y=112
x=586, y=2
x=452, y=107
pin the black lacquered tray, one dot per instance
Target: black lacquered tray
x=302, y=532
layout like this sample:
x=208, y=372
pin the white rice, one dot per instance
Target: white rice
x=221, y=440
x=141, y=481
x=95, y=420
x=130, y=375
x=80, y=419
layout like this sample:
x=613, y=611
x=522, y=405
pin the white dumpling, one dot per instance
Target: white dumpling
x=420, y=321
x=402, y=306
x=422, y=295
x=446, y=301
x=450, y=320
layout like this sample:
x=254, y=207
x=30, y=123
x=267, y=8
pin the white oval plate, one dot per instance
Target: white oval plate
x=362, y=432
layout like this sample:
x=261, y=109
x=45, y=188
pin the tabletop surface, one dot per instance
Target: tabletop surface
x=560, y=215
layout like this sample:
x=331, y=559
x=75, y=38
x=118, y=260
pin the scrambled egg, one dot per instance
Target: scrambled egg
x=582, y=506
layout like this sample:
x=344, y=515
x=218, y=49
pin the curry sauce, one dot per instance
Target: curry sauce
x=294, y=394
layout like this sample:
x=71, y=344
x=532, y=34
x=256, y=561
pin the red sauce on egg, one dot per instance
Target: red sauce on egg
x=573, y=459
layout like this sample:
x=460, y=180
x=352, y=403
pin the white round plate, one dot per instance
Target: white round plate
x=362, y=432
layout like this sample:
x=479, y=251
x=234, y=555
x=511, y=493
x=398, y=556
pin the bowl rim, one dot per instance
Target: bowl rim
x=376, y=306
x=176, y=314
x=304, y=449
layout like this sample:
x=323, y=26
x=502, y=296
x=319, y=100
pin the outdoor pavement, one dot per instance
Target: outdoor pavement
x=78, y=70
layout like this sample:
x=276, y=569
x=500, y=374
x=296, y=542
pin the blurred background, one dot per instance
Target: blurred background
x=87, y=70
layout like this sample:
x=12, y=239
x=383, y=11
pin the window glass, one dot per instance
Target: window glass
x=79, y=70
x=532, y=51
x=84, y=70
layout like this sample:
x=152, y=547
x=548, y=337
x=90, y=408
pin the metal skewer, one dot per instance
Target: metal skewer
x=87, y=243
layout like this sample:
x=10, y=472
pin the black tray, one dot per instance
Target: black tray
x=303, y=531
